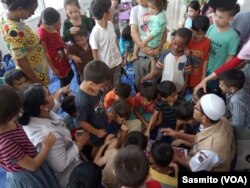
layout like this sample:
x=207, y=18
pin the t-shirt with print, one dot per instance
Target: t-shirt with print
x=90, y=109
x=104, y=40
x=223, y=44
x=174, y=68
x=55, y=50
x=22, y=42
x=140, y=16
x=199, y=50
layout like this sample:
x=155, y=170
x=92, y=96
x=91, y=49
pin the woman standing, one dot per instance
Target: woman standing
x=24, y=45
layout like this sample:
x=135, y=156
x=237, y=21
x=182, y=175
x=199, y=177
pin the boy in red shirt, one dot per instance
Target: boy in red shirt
x=199, y=47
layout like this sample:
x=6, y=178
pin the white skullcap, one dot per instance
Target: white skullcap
x=213, y=106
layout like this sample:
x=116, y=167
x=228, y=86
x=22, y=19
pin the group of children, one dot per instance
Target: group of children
x=131, y=137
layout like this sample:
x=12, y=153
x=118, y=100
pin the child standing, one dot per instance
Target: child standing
x=199, y=47
x=126, y=44
x=80, y=52
x=156, y=28
x=103, y=39
x=49, y=33
x=115, y=18
x=224, y=40
x=74, y=20
x=193, y=10
x=89, y=107
x=174, y=65
x=25, y=168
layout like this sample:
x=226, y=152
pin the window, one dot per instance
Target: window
x=54, y=3
x=1, y=8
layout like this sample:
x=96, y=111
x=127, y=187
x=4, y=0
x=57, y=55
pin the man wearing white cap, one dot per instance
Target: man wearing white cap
x=214, y=146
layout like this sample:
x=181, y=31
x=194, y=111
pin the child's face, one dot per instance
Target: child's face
x=153, y=9
x=225, y=89
x=191, y=12
x=80, y=40
x=19, y=84
x=73, y=12
x=145, y=101
x=179, y=44
x=199, y=35
x=172, y=98
x=108, y=15
x=56, y=26
x=222, y=19
x=26, y=13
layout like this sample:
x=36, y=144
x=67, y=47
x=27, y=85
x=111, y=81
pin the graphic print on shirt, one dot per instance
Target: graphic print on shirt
x=143, y=22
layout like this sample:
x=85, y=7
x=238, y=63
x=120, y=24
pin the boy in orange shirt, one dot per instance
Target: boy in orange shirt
x=199, y=47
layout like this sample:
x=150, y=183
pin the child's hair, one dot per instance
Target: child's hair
x=185, y=111
x=201, y=92
x=194, y=5
x=162, y=153
x=136, y=138
x=10, y=104
x=97, y=71
x=68, y=105
x=85, y=175
x=200, y=23
x=173, y=33
x=83, y=31
x=160, y=4
x=123, y=90
x=15, y=4
x=149, y=91
x=120, y=108
x=49, y=16
x=71, y=2
x=99, y=7
x=131, y=166
x=126, y=33
x=166, y=88
x=184, y=33
x=231, y=11
x=32, y=97
x=233, y=78
x=12, y=75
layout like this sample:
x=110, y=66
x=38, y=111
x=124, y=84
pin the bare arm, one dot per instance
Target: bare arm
x=95, y=54
x=25, y=67
x=152, y=121
x=135, y=34
x=89, y=128
x=204, y=69
x=33, y=164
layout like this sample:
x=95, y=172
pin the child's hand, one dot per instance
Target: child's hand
x=54, y=71
x=48, y=141
x=169, y=132
x=77, y=59
x=177, y=142
x=109, y=139
x=143, y=44
x=74, y=30
x=124, y=127
x=101, y=133
x=65, y=90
